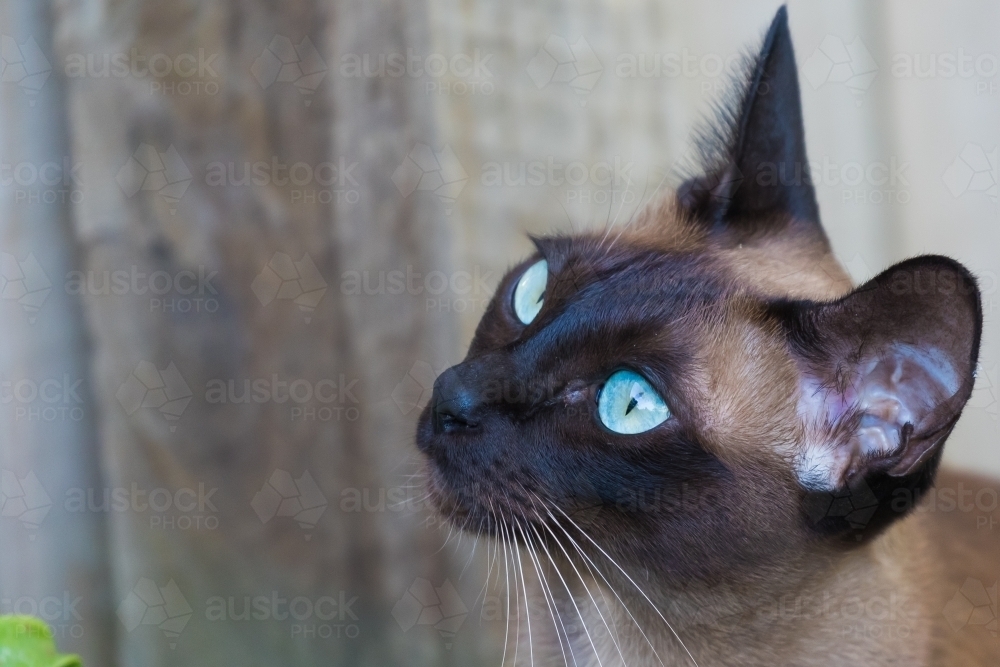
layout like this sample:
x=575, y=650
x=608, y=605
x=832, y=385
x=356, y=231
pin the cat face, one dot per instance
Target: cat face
x=516, y=430
x=695, y=392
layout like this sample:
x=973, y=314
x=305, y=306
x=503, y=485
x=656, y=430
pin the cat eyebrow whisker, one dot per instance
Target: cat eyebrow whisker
x=644, y=206
x=628, y=185
x=609, y=227
x=635, y=212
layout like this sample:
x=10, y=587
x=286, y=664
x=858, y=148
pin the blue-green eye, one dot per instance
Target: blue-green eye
x=529, y=293
x=628, y=404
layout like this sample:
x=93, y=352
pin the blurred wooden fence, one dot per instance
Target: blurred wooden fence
x=224, y=228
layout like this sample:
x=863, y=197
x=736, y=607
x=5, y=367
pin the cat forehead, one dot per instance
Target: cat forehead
x=664, y=251
x=597, y=276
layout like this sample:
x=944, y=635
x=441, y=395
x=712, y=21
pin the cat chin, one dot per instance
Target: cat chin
x=463, y=514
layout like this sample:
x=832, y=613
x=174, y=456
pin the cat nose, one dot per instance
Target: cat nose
x=454, y=403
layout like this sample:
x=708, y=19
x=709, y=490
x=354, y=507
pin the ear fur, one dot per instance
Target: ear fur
x=885, y=373
x=756, y=176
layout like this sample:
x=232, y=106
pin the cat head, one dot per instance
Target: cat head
x=704, y=391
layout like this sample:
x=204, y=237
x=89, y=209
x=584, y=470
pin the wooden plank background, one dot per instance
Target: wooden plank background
x=382, y=207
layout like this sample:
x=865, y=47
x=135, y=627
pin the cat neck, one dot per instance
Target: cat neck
x=868, y=598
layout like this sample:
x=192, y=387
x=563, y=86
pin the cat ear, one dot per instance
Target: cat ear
x=757, y=176
x=884, y=374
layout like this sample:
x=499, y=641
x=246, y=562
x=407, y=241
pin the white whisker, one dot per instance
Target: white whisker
x=590, y=563
x=502, y=530
x=612, y=634
x=547, y=594
x=527, y=609
x=632, y=581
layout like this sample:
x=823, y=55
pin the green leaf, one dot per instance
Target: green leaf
x=26, y=641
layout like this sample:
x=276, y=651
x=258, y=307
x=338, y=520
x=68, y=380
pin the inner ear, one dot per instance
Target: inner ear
x=756, y=175
x=888, y=400
x=884, y=374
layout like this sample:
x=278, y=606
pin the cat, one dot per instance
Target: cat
x=697, y=443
